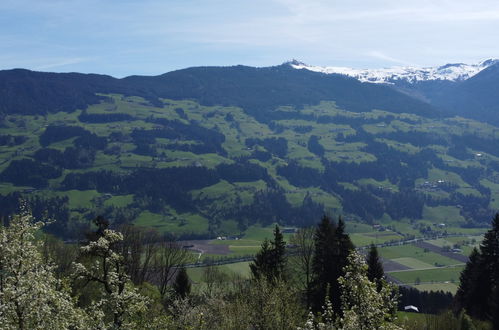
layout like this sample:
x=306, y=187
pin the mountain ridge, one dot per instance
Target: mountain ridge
x=392, y=75
x=258, y=91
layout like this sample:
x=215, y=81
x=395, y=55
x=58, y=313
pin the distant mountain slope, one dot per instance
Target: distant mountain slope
x=468, y=90
x=398, y=74
x=477, y=97
x=257, y=90
x=29, y=92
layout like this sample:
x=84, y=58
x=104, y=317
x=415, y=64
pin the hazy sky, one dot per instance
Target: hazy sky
x=124, y=37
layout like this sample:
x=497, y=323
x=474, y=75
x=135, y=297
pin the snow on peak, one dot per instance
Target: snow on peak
x=451, y=72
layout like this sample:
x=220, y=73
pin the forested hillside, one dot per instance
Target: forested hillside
x=250, y=146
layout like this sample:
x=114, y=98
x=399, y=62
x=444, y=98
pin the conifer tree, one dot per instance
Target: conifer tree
x=477, y=291
x=344, y=248
x=494, y=307
x=270, y=262
x=261, y=263
x=489, y=272
x=469, y=295
x=182, y=284
x=279, y=254
x=332, y=247
x=375, y=272
x=322, y=263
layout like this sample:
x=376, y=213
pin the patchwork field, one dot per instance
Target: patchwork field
x=425, y=265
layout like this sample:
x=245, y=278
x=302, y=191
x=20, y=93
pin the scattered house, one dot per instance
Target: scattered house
x=411, y=308
x=441, y=225
x=289, y=230
x=456, y=250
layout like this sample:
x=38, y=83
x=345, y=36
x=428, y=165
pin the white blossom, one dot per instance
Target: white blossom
x=363, y=307
x=119, y=296
x=30, y=295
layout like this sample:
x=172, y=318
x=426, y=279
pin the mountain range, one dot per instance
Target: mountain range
x=468, y=90
x=217, y=149
x=451, y=72
x=453, y=89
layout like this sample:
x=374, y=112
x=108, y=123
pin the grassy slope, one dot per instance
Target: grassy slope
x=236, y=132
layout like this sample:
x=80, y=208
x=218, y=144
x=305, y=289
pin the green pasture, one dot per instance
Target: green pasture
x=410, y=317
x=411, y=251
x=448, y=215
x=364, y=239
x=441, y=274
x=441, y=242
x=240, y=268
x=173, y=223
x=357, y=227
x=413, y=263
x=378, y=184
x=494, y=189
x=119, y=201
x=445, y=286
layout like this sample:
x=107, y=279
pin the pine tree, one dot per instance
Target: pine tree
x=332, y=247
x=322, y=263
x=260, y=267
x=494, y=307
x=490, y=249
x=279, y=254
x=477, y=291
x=375, y=272
x=344, y=247
x=270, y=262
x=182, y=284
x=469, y=295
x=489, y=272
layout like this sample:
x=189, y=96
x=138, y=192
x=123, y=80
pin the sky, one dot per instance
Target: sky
x=151, y=37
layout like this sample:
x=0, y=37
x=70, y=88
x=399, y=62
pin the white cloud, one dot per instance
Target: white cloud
x=60, y=62
x=382, y=56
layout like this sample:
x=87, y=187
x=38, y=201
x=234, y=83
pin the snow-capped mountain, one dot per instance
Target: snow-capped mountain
x=450, y=72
